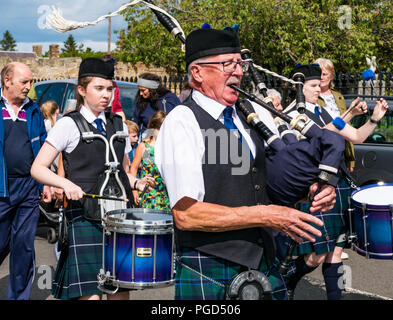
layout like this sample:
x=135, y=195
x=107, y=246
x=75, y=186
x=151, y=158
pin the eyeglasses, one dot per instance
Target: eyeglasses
x=230, y=66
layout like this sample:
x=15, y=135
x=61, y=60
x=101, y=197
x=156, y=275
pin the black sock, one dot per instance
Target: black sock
x=332, y=273
x=301, y=270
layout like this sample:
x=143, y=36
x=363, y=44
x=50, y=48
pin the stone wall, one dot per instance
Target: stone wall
x=57, y=68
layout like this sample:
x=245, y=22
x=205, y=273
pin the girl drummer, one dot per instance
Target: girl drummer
x=84, y=162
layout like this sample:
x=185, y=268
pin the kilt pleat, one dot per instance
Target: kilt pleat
x=191, y=286
x=77, y=269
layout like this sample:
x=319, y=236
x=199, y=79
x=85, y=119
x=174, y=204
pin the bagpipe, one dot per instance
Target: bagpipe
x=293, y=165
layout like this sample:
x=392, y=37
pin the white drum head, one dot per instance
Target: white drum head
x=378, y=195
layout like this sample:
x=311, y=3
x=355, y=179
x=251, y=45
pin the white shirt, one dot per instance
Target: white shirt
x=331, y=105
x=180, y=148
x=65, y=135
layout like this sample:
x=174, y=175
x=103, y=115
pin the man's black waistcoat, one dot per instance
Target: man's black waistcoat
x=247, y=246
x=86, y=162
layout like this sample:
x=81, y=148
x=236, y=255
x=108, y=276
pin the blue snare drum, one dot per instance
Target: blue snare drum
x=372, y=221
x=138, y=249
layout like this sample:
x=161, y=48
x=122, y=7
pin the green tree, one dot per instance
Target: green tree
x=70, y=47
x=73, y=49
x=279, y=33
x=8, y=43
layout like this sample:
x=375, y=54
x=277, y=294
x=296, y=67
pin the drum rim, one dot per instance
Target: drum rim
x=361, y=251
x=139, y=230
x=112, y=220
x=373, y=206
x=139, y=210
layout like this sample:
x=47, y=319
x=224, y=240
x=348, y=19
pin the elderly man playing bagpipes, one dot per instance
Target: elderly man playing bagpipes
x=224, y=220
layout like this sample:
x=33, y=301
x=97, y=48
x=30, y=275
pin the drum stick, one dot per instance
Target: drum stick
x=144, y=190
x=93, y=196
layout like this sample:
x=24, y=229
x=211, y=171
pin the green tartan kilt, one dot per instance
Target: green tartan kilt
x=191, y=286
x=335, y=228
x=77, y=269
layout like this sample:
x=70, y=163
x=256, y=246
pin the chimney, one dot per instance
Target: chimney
x=54, y=51
x=37, y=49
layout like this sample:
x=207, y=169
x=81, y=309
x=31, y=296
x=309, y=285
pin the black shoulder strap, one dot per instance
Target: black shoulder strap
x=327, y=118
x=117, y=122
x=314, y=118
x=80, y=121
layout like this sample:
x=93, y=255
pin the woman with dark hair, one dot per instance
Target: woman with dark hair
x=152, y=97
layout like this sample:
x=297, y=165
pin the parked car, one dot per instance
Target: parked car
x=374, y=156
x=62, y=91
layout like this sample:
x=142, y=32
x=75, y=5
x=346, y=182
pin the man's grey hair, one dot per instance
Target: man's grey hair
x=190, y=78
x=273, y=93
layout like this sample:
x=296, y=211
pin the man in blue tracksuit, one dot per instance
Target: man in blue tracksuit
x=22, y=133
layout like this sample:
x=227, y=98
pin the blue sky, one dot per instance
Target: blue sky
x=24, y=19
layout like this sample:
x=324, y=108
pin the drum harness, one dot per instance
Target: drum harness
x=112, y=170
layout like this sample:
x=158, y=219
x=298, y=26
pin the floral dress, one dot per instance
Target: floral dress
x=157, y=198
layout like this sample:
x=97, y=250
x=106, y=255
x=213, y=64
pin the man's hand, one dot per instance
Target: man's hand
x=294, y=223
x=324, y=200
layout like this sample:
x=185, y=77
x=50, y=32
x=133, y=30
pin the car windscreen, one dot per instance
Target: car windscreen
x=128, y=99
x=55, y=93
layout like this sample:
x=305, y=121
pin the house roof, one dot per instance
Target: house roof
x=17, y=55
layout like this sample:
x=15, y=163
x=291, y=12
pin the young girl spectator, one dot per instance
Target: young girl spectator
x=133, y=132
x=157, y=198
x=50, y=111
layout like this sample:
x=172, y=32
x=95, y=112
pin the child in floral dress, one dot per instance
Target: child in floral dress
x=157, y=198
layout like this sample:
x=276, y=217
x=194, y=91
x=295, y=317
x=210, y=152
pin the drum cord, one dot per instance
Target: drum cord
x=202, y=275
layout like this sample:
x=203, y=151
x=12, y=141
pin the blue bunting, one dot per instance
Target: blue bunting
x=235, y=27
x=368, y=75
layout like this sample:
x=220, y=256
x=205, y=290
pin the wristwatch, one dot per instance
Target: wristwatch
x=374, y=121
